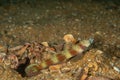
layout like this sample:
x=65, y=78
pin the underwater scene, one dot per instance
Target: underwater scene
x=59, y=39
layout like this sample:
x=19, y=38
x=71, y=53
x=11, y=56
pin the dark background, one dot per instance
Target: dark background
x=9, y=2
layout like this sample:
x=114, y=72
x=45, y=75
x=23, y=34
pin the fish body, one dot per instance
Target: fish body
x=79, y=48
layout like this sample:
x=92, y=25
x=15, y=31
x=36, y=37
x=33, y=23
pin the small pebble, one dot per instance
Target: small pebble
x=65, y=69
x=116, y=69
x=99, y=51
